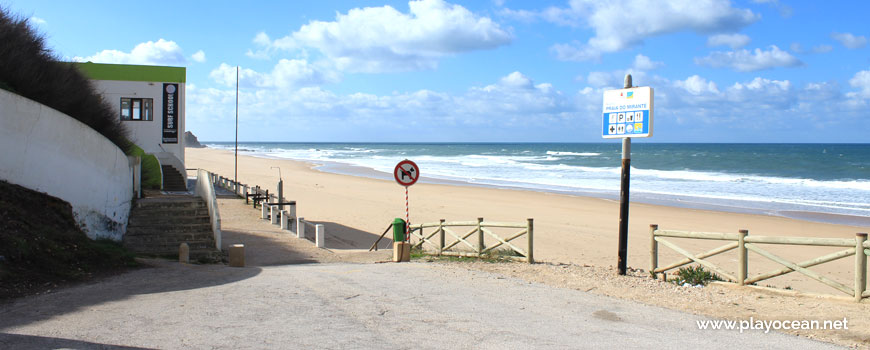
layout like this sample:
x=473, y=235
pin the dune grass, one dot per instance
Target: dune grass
x=28, y=68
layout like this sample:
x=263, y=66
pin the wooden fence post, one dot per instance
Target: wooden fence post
x=530, y=231
x=743, y=269
x=653, y=251
x=860, y=266
x=479, y=237
x=440, y=237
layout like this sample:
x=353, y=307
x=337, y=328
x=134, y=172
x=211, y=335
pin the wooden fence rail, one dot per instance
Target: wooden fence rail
x=857, y=247
x=480, y=230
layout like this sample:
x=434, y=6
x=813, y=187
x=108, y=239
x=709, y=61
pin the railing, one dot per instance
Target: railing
x=480, y=230
x=319, y=231
x=858, y=247
x=273, y=211
x=205, y=190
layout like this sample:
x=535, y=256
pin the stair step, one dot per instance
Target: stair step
x=168, y=229
x=145, y=220
x=170, y=204
x=156, y=239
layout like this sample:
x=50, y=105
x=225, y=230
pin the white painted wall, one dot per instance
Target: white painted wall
x=47, y=151
x=146, y=134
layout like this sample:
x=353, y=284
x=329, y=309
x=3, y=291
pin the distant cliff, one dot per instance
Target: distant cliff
x=191, y=141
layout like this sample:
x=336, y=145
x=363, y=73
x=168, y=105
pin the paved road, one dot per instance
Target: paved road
x=349, y=306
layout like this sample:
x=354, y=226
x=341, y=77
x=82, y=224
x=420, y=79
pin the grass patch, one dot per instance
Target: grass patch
x=151, y=177
x=695, y=275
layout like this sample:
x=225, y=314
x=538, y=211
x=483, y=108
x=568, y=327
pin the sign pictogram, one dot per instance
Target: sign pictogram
x=406, y=173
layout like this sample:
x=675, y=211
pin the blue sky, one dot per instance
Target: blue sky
x=479, y=71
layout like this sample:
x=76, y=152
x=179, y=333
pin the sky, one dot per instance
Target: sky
x=488, y=70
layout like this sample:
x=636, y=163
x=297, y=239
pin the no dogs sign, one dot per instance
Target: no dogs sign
x=406, y=173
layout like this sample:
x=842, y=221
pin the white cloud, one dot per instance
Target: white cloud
x=644, y=63
x=798, y=48
x=515, y=100
x=696, y=85
x=286, y=74
x=749, y=61
x=37, y=20
x=382, y=39
x=849, y=40
x=822, y=48
x=199, y=56
x=861, y=80
x=161, y=52
x=619, y=25
x=735, y=41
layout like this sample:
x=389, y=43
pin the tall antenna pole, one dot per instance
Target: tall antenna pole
x=236, y=163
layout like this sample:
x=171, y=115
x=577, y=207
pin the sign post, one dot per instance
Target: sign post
x=406, y=174
x=628, y=113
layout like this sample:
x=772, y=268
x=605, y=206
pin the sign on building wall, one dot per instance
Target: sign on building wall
x=170, y=113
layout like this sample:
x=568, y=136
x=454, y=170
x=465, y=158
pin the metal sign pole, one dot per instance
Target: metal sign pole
x=407, y=217
x=623, y=196
x=236, y=163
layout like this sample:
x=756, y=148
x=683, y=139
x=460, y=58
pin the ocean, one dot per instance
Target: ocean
x=819, y=182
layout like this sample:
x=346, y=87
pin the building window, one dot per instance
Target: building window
x=137, y=108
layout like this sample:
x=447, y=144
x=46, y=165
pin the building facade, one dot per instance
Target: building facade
x=150, y=102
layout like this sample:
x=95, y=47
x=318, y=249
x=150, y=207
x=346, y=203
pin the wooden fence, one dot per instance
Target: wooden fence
x=858, y=247
x=479, y=229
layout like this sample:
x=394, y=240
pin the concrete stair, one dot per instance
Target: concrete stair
x=173, y=180
x=158, y=225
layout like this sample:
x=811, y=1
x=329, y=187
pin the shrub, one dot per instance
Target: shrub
x=151, y=177
x=695, y=275
x=31, y=70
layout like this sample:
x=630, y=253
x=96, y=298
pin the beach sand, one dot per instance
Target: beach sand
x=568, y=229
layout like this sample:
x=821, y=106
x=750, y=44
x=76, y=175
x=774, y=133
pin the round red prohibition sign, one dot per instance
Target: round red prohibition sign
x=406, y=173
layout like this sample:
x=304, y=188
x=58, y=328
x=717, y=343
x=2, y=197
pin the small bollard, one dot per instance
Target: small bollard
x=285, y=220
x=300, y=227
x=273, y=212
x=401, y=252
x=237, y=255
x=319, y=235
x=183, y=253
x=265, y=208
x=293, y=225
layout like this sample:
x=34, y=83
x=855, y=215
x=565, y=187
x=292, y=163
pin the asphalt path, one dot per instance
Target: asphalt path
x=350, y=306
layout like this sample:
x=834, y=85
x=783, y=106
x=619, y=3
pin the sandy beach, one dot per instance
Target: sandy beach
x=568, y=229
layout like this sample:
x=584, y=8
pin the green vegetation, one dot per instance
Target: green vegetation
x=41, y=246
x=31, y=70
x=695, y=275
x=151, y=178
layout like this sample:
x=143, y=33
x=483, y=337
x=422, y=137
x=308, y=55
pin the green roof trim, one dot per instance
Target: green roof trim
x=130, y=72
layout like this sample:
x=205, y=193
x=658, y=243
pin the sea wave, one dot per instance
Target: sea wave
x=580, y=154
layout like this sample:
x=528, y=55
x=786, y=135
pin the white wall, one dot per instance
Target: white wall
x=146, y=134
x=47, y=151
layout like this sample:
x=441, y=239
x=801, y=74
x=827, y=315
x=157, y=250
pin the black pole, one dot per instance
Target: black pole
x=623, y=197
x=236, y=163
